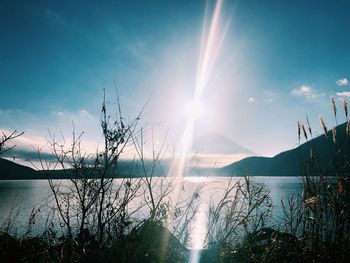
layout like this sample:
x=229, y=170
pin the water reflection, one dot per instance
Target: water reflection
x=18, y=199
x=24, y=194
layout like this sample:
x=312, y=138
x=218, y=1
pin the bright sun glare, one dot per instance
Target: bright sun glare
x=194, y=109
x=210, y=45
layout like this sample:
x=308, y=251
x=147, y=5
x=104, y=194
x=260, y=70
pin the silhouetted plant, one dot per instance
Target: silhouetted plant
x=6, y=138
x=321, y=216
x=92, y=206
x=244, y=207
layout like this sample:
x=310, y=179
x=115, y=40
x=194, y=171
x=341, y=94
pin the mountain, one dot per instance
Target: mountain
x=125, y=169
x=13, y=171
x=292, y=162
x=288, y=163
x=216, y=143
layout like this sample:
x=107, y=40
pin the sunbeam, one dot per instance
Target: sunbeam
x=211, y=44
x=194, y=109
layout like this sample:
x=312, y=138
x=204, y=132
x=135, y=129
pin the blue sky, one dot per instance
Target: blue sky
x=280, y=60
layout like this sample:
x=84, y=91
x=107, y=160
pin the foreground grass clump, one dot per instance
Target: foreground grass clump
x=141, y=245
x=321, y=216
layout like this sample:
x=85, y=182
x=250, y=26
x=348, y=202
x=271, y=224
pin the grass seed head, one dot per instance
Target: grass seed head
x=323, y=125
x=304, y=131
x=334, y=107
x=299, y=127
x=308, y=125
x=345, y=106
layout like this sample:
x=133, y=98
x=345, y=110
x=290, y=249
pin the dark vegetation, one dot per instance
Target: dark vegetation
x=97, y=219
x=12, y=171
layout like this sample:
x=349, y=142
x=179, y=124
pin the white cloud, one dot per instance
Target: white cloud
x=344, y=93
x=83, y=113
x=30, y=140
x=307, y=92
x=251, y=100
x=215, y=160
x=342, y=82
x=304, y=90
x=270, y=96
x=37, y=127
x=77, y=115
x=58, y=113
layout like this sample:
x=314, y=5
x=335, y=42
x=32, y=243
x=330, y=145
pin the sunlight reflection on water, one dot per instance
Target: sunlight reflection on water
x=199, y=228
x=26, y=194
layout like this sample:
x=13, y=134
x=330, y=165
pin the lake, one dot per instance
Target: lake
x=22, y=195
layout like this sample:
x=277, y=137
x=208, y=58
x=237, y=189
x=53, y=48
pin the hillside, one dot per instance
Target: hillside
x=288, y=163
x=126, y=168
x=291, y=163
x=13, y=171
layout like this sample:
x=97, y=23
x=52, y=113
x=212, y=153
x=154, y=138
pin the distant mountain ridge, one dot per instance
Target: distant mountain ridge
x=216, y=143
x=126, y=168
x=288, y=163
x=291, y=162
x=13, y=171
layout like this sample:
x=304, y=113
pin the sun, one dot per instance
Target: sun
x=194, y=109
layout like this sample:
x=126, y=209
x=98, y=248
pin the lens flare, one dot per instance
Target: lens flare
x=211, y=44
x=194, y=109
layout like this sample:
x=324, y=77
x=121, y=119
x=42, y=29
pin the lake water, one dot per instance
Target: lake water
x=21, y=196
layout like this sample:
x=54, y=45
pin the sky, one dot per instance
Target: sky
x=279, y=61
